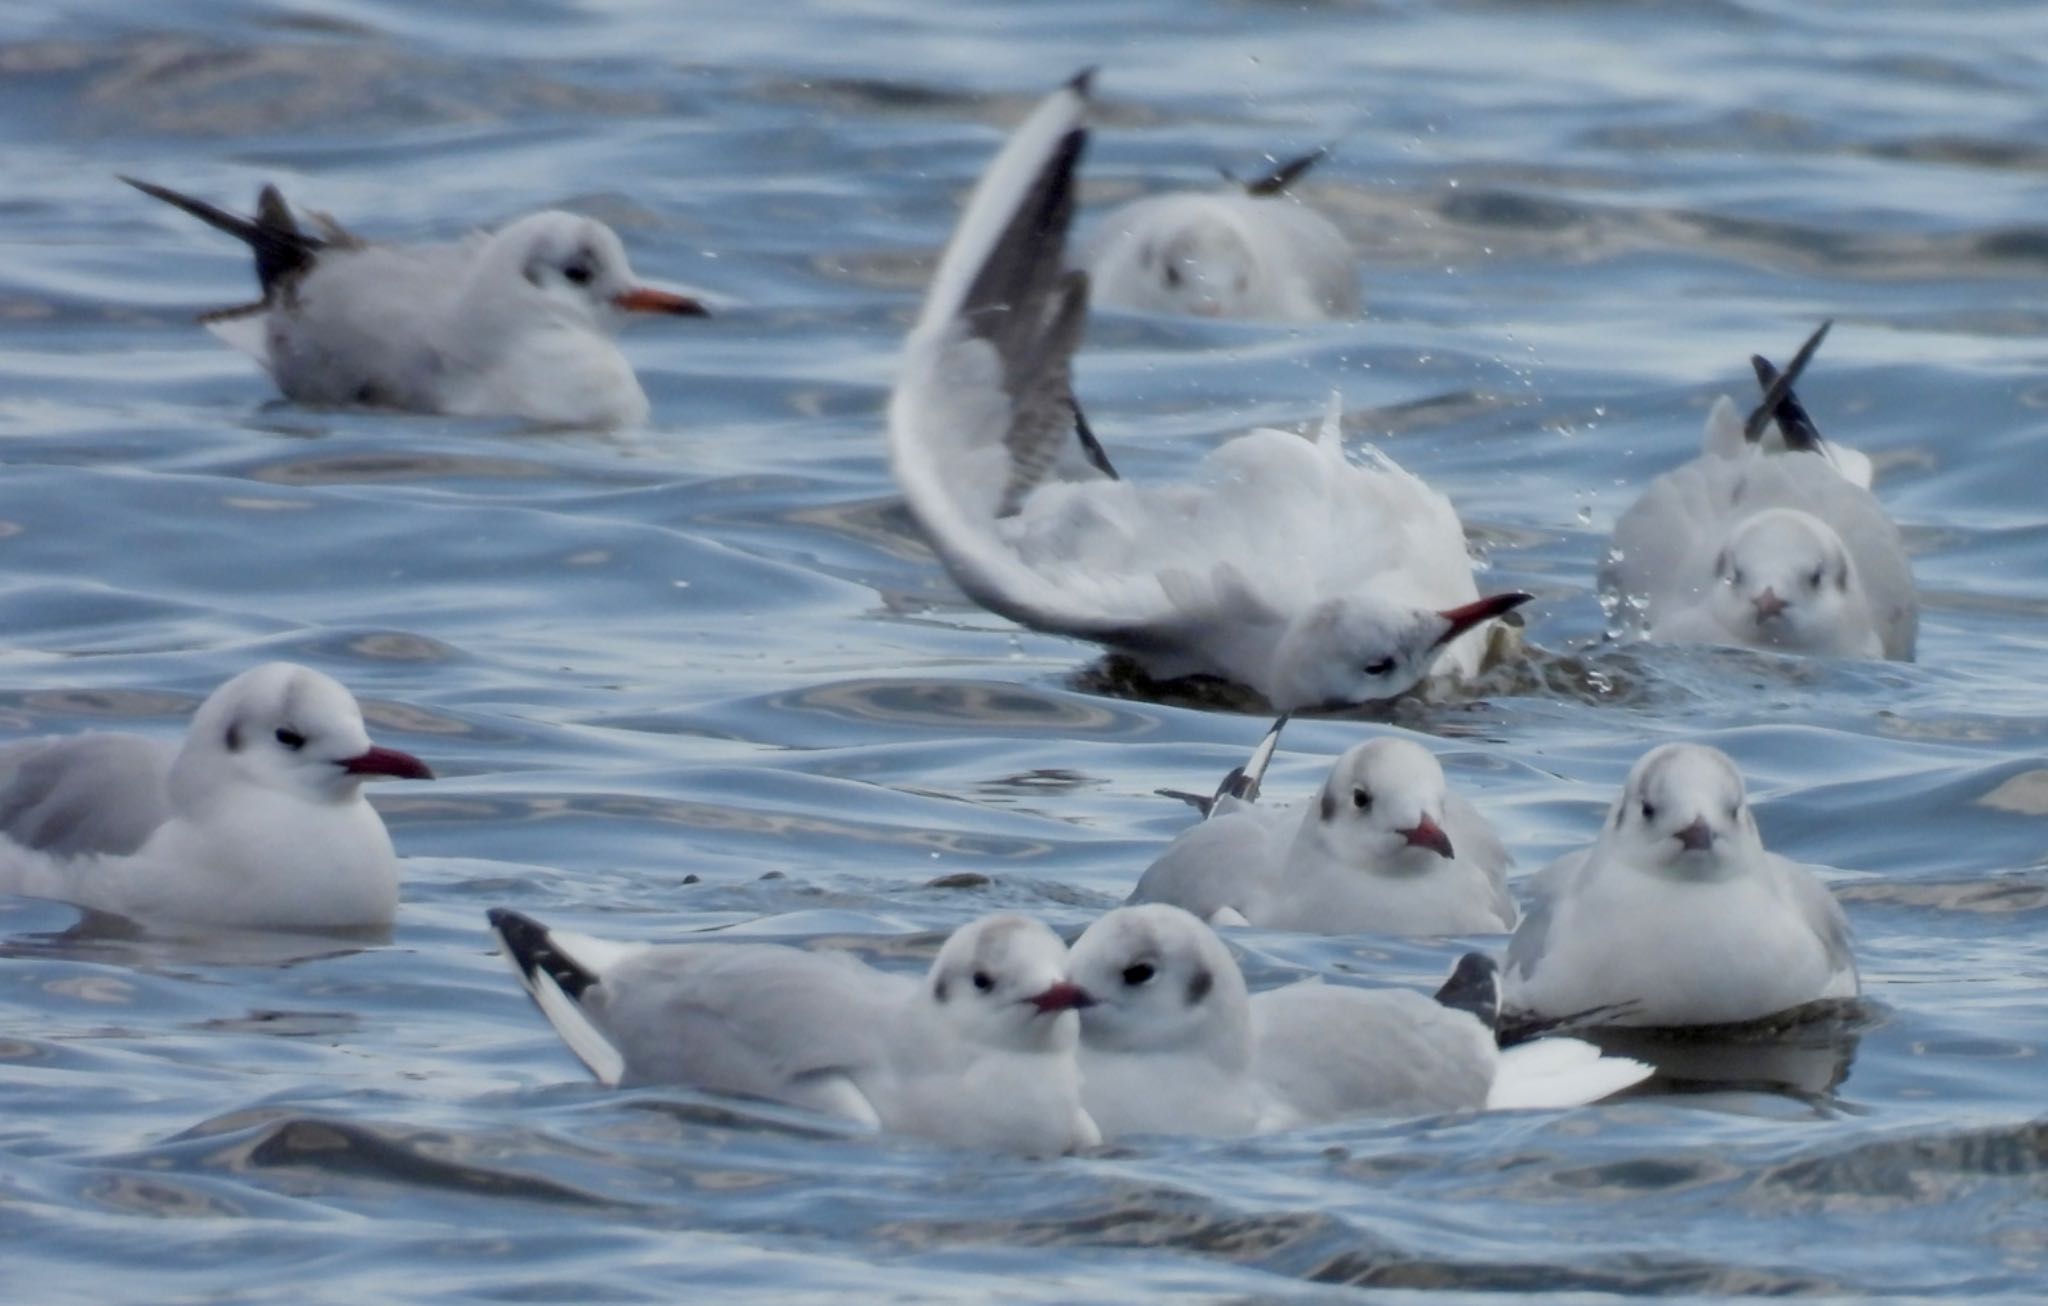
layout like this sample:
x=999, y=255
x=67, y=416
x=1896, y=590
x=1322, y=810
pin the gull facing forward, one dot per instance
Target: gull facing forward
x=1677, y=915
x=1280, y=565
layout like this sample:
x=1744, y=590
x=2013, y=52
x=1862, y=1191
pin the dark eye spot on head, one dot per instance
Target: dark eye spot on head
x=1138, y=973
x=938, y=990
x=290, y=738
x=1383, y=667
x=1173, y=275
x=1815, y=579
x=982, y=981
x=1649, y=810
x=1199, y=985
x=1361, y=799
x=578, y=273
x=234, y=737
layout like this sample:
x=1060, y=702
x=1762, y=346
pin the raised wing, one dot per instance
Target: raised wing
x=983, y=415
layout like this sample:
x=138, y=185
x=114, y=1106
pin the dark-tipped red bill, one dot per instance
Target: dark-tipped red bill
x=641, y=299
x=1426, y=833
x=1062, y=996
x=1466, y=616
x=387, y=762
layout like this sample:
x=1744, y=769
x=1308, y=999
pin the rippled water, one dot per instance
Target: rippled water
x=703, y=675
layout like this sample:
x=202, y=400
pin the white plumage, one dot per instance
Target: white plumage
x=512, y=323
x=256, y=821
x=1382, y=848
x=1279, y=563
x=1677, y=915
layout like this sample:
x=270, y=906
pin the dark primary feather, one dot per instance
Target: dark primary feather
x=1779, y=389
x=1474, y=986
x=1286, y=174
x=1798, y=429
x=526, y=939
x=282, y=250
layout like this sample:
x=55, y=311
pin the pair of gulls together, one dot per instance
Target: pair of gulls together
x=1281, y=564
x=1676, y=915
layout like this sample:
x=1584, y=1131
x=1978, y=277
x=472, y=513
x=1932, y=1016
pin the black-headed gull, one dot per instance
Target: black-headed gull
x=1768, y=539
x=1245, y=250
x=1676, y=915
x=979, y=1052
x=1280, y=565
x=1383, y=848
x=512, y=323
x=1171, y=1041
x=256, y=821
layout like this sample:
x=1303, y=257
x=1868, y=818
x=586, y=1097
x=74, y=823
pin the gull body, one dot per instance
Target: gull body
x=1768, y=539
x=1280, y=564
x=1171, y=1042
x=1677, y=914
x=1383, y=847
x=512, y=323
x=257, y=820
x=1245, y=250
x=980, y=1052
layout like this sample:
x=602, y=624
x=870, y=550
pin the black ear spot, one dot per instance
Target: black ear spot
x=234, y=737
x=532, y=272
x=939, y=991
x=1329, y=806
x=1842, y=574
x=1199, y=985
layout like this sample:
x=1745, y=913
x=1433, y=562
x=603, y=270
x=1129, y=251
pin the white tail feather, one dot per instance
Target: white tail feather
x=248, y=332
x=1559, y=1072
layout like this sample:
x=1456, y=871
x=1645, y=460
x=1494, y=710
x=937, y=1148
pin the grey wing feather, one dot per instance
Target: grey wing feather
x=1821, y=910
x=1329, y=1051
x=1531, y=937
x=746, y=1019
x=1225, y=861
x=92, y=793
x=1476, y=842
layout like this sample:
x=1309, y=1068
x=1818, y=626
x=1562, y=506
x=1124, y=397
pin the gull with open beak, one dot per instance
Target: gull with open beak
x=1383, y=848
x=1677, y=915
x=256, y=821
x=1281, y=563
x=512, y=323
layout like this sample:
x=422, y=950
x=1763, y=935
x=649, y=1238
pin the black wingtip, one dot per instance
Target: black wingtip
x=281, y=249
x=1474, y=986
x=1285, y=174
x=532, y=949
x=1083, y=83
x=1779, y=388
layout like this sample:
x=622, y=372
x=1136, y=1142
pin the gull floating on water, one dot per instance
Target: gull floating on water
x=1247, y=250
x=1677, y=915
x=1383, y=848
x=256, y=821
x=513, y=323
x=1171, y=1041
x=1280, y=565
x=980, y=1052
x=1769, y=539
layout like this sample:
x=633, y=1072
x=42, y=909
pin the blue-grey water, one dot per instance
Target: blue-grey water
x=704, y=676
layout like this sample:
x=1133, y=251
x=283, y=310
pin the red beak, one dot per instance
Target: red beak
x=1428, y=834
x=387, y=762
x=1471, y=614
x=1697, y=837
x=1062, y=996
x=642, y=300
x=1769, y=605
